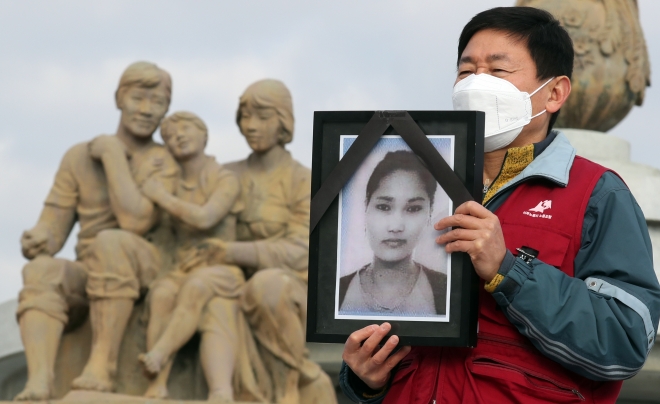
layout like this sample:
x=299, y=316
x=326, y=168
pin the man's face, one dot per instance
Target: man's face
x=495, y=53
x=142, y=109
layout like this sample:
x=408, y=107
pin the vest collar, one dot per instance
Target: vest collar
x=554, y=163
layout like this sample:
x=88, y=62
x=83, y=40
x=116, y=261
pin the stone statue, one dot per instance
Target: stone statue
x=272, y=248
x=611, y=70
x=97, y=185
x=204, y=205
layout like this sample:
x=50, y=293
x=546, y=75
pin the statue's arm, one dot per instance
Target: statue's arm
x=50, y=233
x=134, y=212
x=201, y=217
x=59, y=213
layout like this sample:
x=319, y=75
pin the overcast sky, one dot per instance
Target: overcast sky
x=60, y=63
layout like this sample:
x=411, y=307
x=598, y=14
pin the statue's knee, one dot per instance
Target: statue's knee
x=39, y=270
x=265, y=288
x=162, y=296
x=194, y=289
x=109, y=239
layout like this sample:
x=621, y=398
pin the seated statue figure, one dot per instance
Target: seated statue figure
x=97, y=185
x=272, y=248
x=204, y=205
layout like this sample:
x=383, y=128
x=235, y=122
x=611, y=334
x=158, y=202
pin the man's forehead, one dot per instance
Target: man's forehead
x=494, y=46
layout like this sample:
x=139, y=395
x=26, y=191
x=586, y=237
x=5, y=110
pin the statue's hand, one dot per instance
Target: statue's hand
x=207, y=253
x=105, y=144
x=35, y=242
x=154, y=189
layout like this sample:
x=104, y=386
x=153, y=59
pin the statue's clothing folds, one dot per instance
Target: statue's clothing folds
x=274, y=299
x=110, y=262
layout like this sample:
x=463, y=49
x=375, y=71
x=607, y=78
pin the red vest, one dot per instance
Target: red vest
x=505, y=367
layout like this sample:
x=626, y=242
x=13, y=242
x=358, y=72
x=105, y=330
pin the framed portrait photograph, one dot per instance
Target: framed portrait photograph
x=380, y=181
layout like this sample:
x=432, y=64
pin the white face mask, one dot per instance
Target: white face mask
x=507, y=108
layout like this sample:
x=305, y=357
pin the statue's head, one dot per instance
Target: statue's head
x=265, y=115
x=143, y=96
x=185, y=134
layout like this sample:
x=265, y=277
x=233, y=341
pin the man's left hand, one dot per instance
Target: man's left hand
x=104, y=144
x=476, y=231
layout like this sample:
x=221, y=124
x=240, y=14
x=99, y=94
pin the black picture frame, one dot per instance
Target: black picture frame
x=329, y=176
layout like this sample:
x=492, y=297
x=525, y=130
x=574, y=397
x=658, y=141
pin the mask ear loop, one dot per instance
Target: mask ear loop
x=542, y=85
x=536, y=91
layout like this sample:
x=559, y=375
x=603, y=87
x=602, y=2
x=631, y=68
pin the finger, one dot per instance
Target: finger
x=393, y=360
x=374, y=340
x=354, y=341
x=459, y=220
x=475, y=209
x=459, y=246
x=457, y=234
x=381, y=356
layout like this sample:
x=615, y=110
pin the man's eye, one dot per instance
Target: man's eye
x=414, y=208
x=384, y=207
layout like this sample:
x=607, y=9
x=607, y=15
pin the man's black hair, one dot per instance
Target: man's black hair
x=548, y=43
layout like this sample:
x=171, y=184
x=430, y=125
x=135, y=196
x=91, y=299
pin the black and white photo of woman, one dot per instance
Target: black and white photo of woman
x=398, y=204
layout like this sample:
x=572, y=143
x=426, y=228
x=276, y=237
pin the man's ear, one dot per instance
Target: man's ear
x=559, y=92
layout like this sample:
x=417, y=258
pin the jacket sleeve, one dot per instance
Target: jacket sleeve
x=356, y=390
x=602, y=323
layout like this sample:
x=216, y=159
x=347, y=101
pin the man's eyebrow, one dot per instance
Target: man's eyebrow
x=497, y=57
x=465, y=59
x=490, y=58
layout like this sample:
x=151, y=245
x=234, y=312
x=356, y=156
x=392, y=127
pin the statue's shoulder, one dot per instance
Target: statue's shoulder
x=77, y=153
x=238, y=167
x=300, y=173
x=214, y=172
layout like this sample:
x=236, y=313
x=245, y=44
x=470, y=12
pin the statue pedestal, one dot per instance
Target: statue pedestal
x=643, y=180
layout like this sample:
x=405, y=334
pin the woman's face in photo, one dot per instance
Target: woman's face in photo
x=396, y=215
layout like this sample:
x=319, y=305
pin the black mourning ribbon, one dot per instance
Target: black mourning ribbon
x=408, y=129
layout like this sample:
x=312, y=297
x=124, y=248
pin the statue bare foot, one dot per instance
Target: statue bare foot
x=92, y=379
x=156, y=391
x=35, y=390
x=152, y=362
x=220, y=396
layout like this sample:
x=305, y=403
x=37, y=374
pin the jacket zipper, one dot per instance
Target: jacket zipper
x=560, y=386
x=435, y=388
x=503, y=340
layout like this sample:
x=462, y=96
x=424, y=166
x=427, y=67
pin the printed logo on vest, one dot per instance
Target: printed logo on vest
x=538, y=210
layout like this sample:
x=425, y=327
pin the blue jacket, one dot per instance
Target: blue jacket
x=600, y=324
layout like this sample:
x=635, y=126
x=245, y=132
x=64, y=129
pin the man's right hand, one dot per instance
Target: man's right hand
x=369, y=362
x=35, y=242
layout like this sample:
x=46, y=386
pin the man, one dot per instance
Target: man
x=97, y=184
x=575, y=311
